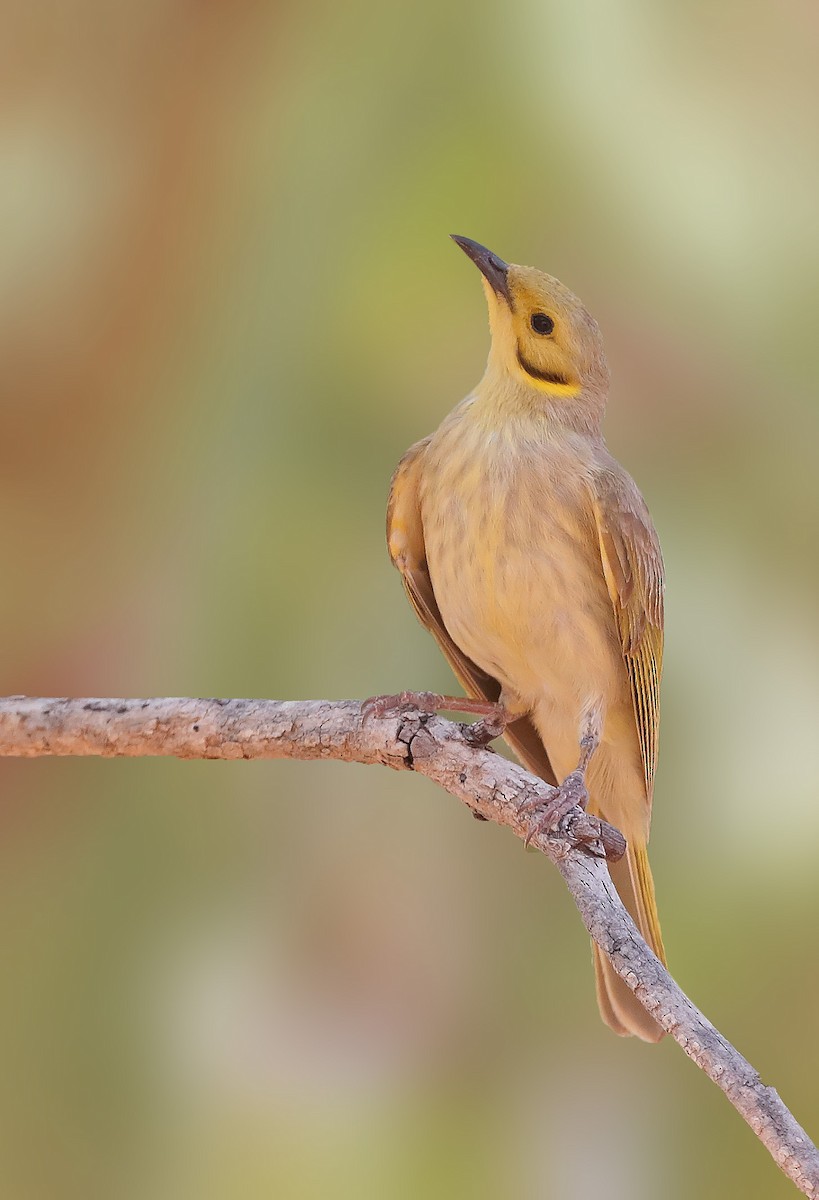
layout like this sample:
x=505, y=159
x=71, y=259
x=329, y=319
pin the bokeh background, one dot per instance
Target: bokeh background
x=227, y=305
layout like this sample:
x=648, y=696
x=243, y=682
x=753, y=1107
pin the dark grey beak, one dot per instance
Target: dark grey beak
x=493, y=269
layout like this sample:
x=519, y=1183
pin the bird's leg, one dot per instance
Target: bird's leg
x=432, y=702
x=400, y=702
x=571, y=793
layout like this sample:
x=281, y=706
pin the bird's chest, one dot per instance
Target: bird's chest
x=514, y=562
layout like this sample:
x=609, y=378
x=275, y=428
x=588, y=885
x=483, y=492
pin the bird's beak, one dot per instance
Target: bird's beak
x=494, y=270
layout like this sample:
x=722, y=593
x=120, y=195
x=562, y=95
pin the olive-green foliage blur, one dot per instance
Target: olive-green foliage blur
x=227, y=305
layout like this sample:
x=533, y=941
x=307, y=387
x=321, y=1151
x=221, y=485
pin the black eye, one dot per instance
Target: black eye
x=541, y=323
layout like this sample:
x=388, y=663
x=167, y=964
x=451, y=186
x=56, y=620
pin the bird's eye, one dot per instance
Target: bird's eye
x=541, y=323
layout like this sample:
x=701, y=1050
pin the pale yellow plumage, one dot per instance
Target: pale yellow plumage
x=529, y=554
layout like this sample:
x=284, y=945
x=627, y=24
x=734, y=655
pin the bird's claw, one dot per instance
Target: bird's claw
x=547, y=816
x=481, y=733
x=494, y=717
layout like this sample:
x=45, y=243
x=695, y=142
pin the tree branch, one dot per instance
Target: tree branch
x=490, y=785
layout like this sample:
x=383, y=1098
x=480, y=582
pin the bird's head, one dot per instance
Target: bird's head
x=542, y=335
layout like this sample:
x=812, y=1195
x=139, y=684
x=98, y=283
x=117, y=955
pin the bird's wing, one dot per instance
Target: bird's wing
x=633, y=567
x=405, y=539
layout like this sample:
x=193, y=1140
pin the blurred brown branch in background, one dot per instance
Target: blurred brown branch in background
x=491, y=786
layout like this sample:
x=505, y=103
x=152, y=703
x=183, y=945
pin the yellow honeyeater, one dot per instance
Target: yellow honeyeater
x=528, y=552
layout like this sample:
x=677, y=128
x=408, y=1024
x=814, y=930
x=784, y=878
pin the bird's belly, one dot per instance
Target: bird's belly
x=534, y=612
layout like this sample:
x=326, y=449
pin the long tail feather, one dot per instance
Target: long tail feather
x=619, y=1007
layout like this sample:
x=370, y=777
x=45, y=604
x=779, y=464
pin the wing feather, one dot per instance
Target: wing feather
x=633, y=567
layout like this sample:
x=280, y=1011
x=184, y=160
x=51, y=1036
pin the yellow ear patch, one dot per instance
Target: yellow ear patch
x=552, y=384
x=553, y=389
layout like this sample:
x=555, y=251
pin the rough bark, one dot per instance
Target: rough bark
x=490, y=785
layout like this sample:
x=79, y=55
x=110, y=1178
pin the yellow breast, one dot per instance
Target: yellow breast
x=512, y=556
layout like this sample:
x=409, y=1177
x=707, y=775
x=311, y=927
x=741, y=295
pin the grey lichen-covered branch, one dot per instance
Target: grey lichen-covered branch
x=489, y=784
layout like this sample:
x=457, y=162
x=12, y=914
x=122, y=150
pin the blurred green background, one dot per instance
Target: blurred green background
x=227, y=305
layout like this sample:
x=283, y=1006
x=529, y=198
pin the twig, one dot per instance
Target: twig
x=490, y=785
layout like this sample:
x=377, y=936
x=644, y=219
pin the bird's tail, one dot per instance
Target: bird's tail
x=619, y=1007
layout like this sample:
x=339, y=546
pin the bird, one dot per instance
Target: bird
x=529, y=553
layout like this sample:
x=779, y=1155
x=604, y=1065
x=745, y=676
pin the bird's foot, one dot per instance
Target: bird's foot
x=547, y=816
x=494, y=717
x=401, y=702
x=489, y=727
x=565, y=813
